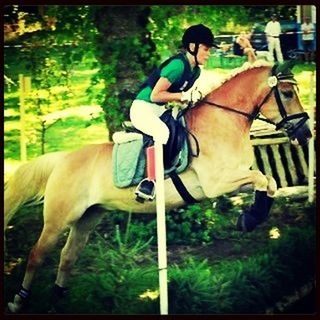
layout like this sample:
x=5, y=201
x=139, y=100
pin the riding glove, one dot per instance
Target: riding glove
x=192, y=95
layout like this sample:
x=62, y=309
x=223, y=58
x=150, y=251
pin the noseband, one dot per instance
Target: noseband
x=285, y=122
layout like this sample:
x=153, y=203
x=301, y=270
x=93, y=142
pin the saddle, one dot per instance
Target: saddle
x=128, y=157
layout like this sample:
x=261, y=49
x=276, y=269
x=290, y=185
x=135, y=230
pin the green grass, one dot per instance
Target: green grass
x=111, y=274
x=90, y=131
x=69, y=133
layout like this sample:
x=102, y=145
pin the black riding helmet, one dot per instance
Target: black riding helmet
x=198, y=34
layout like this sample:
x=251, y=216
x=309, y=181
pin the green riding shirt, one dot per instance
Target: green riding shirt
x=178, y=72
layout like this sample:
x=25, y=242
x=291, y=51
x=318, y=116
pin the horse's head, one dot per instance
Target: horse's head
x=285, y=109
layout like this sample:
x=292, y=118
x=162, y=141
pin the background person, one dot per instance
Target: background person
x=308, y=31
x=273, y=30
x=243, y=46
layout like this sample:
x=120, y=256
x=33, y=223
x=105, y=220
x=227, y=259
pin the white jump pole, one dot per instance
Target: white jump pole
x=311, y=144
x=25, y=87
x=23, y=143
x=161, y=229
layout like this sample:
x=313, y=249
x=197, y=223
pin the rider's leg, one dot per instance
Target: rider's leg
x=145, y=117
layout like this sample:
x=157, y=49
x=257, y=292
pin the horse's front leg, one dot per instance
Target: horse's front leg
x=264, y=186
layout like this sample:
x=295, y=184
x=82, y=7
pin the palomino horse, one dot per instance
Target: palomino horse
x=74, y=182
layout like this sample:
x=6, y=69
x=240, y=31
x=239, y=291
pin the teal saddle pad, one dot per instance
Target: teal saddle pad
x=129, y=162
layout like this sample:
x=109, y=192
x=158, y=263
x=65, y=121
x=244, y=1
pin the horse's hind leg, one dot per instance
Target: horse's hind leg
x=77, y=239
x=48, y=238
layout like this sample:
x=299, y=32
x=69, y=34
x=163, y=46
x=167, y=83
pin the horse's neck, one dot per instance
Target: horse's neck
x=241, y=93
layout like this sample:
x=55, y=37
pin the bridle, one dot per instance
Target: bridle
x=285, y=123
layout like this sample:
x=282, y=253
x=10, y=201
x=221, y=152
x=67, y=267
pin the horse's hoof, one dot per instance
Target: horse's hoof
x=246, y=222
x=13, y=308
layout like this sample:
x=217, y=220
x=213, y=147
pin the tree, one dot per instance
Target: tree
x=126, y=53
x=49, y=53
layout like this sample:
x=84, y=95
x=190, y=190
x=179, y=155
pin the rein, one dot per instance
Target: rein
x=251, y=116
x=273, y=80
x=273, y=83
x=285, y=123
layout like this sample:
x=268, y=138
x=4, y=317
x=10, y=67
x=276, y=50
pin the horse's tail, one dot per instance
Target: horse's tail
x=28, y=183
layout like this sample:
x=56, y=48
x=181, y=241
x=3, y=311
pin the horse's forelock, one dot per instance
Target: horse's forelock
x=285, y=67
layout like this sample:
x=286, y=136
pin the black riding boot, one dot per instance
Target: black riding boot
x=146, y=188
x=257, y=213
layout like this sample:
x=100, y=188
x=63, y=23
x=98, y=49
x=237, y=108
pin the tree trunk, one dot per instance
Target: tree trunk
x=126, y=53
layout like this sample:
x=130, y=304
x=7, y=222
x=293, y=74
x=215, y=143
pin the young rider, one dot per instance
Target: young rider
x=172, y=81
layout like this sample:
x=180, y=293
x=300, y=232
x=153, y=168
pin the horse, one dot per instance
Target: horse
x=78, y=188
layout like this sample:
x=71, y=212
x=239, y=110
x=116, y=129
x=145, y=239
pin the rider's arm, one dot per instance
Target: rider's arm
x=168, y=75
x=160, y=92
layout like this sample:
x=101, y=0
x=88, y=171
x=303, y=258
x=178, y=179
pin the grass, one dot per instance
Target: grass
x=69, y=133
x=105, y=273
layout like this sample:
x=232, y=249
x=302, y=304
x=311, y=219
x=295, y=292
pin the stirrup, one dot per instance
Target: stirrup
x=145, y=190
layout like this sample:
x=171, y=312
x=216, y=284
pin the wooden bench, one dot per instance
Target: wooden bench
x=276, y=156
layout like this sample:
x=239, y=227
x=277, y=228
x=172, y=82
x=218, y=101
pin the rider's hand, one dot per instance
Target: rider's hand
x=192, y=95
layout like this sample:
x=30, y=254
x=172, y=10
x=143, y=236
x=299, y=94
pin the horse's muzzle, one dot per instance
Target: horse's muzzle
x=297, y=128
x=300, y=132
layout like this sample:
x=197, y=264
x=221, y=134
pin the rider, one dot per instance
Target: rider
x=172, y=81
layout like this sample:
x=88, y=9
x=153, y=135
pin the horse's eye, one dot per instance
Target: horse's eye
x=287, y=94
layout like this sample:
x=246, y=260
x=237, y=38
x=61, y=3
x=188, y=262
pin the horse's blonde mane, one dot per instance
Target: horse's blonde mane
x=247, y=66
x=211, y=80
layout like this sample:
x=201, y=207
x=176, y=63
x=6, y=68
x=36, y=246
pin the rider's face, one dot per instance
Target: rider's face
x=203, y=54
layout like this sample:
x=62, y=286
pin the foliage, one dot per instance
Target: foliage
x=119, y=274
x=190, y=225
x=126, y=53
x=196, y=287
x=196, y=224
x=244, y=286
x=115, y=286
x=169, y=22
x=262, y=14
x=50, y=57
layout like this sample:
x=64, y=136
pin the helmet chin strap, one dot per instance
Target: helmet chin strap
x=194, y=52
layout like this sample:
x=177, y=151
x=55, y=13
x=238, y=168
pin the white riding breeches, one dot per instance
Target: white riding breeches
x=145, y=116
x=274, y=45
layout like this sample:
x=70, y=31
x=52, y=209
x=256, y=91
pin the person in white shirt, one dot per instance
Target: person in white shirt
x=308, y=31
x=273, y=30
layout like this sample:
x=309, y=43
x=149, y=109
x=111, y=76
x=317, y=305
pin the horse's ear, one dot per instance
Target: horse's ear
x=285, y=67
